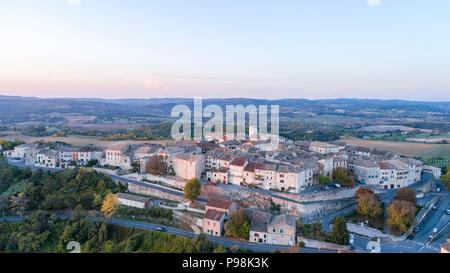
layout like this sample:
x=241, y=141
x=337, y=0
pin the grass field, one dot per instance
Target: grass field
x=403, y=148
x=439, y=157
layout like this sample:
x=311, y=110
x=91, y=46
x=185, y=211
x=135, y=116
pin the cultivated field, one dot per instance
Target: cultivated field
x=403, y=148
x=79, y=140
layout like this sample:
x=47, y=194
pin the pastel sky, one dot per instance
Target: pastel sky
x=388, y=49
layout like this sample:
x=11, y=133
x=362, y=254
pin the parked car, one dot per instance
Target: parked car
x=327, y=188
x=337, y=185
x=410, y=236
x=434, y=208
x=416, y=229
x=447, y=211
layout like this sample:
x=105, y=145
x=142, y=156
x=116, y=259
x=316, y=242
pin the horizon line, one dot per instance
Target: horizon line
x=222, y=98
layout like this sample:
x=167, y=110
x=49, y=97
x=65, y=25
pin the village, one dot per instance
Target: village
x=278, y=186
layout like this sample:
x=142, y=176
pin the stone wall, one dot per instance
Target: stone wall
x=332, y=194
x=155, y=192
x=320, y=244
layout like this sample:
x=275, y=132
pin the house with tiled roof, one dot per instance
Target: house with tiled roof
x=237, y=170
x=272, y=229
x=119, y=155
x=258, y=227
x=188, y=166
x=281, y=230
x=213, y=222
x=223, y=205
x=249, y=173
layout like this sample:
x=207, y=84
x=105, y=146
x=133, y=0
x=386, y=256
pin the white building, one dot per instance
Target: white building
x=394, y=174
x=47, y=158
x=366, y=172
x=118, y=156
x=415, y=168
x=323, y=147
x=433, y=170
x=237, y=167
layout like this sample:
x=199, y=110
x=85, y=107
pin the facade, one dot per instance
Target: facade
x=394, y=174
x=281, y=230
x=248, y=174
x=213, y=221
x=188, y=166
x=289, y=178
x=47, y=158
x=237, y=170
x=267, y=174
x=31, y=156
x=258, y=228
x=118, y=156
x=218, y=176
x=323, y=147
x=415, y=168
x=367, y=172
x=433, y=170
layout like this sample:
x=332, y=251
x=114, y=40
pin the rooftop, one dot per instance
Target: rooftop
x=219, y=203
x=282, y=219
x=238, y=161
x=133, y=197
x=213, y=214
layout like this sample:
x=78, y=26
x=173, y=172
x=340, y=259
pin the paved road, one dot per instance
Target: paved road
x=260, y=248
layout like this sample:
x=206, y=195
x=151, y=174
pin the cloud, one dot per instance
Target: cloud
x=73, y=2
x=373, y=2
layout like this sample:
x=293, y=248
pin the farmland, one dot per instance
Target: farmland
x=403, y=148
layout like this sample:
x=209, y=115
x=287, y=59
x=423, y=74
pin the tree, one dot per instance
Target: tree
x=110, y=205
x=339, y=234
x=239, y=224
x=4, y=199
x=368, y=202
x=401, y=215
x=342, y=176
x=406, y=194
x=156, y=166
x=317, y=226
x=192, y=189
x=445, y=179
x=323, y=179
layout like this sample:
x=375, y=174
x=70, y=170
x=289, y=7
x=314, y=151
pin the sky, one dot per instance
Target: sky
x=316, y=49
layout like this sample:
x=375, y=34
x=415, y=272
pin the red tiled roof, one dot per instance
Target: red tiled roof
x=251, y=166
x=219, y=203
x=383, y=166
x=238, y=161
x=213, y=214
